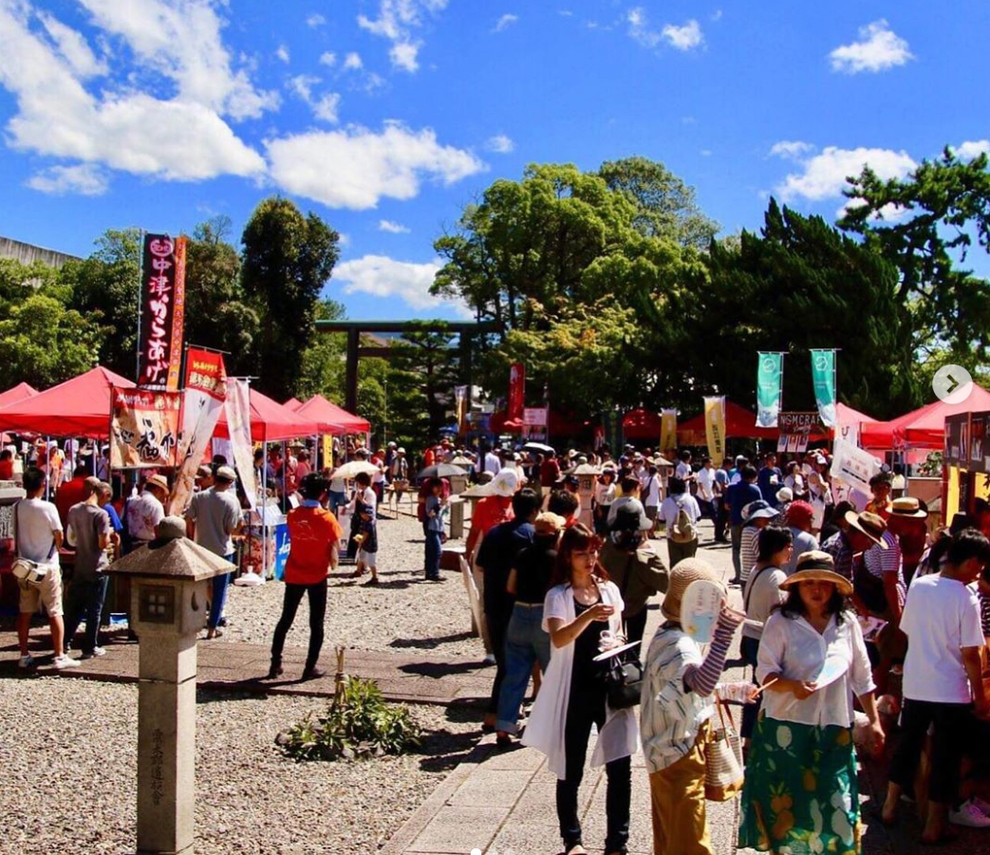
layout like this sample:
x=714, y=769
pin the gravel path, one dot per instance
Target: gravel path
x=405, y=611
x=69, y=774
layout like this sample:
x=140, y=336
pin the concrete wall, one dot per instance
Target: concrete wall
x=28, y=254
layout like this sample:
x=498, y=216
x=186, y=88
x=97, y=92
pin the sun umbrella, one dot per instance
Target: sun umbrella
x=352, y=469
x=540, y=447
x=441, y=470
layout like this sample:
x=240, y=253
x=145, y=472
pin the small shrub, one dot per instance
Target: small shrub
x=358, y=724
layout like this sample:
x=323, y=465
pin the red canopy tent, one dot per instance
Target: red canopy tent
x=20, y=392
x=77, y=407
x=293, y=404
x=330, y=418
x=923, y=428
x=641, y=424
x=271, y=421
x=559, y=424
x=739, y=423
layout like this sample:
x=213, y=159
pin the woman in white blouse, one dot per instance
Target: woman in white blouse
x=801, y=791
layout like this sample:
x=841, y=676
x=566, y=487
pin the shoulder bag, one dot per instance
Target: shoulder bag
x=624, y=677
x=25, y=570
x=723, y=759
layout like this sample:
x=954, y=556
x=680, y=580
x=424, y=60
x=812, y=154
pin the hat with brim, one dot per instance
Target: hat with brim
x=506, y=483
x=870, y=525
x=158, y=481
x=908, y=506
x=785, y=494
x=682, y=574
x=758, y=510
x=225, y=473
x=817, y=566
x=630, y=516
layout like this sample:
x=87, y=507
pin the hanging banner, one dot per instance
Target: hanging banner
x=517, y=391
x=668, y=430
x=769, y=388
x=202, y=402
x=461, y=407
x=237, y=406
x=823, y=378
x=715, y=426
x=144, y=428
x=163, y=307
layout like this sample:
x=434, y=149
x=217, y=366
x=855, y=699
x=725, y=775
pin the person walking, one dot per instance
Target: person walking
x=801, y=782
x=314, y=547
x=581, y=606
x=740, y=494
x=434, y=511
x=213, y=516
x=681, y=515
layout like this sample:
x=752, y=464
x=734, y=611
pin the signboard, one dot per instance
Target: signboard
x=144, y=428
x=535, y=416
x=805, y=423
x=853, y=465
x=163, y=301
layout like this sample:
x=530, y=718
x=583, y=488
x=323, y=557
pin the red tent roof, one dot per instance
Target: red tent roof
x=331, y=418
x=293, y=404
x=20, y=392
x=641, y=424
x=77, y=407
x=923, y=428
x=739, y=422
x=271, y=421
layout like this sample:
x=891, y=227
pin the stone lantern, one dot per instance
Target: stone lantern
x=587, y=476
x=458, y=484
x=168, y=609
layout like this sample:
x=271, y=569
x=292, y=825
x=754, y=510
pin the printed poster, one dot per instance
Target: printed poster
x=144, y=428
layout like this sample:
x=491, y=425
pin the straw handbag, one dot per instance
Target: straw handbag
x=723, y=760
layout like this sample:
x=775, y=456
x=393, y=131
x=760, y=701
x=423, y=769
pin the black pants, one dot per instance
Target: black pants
x=749, y=649
x=317, y=613
x=721, y=518
x=952, y=726
x=586, y=706
x=498, y=626
x=635, y=627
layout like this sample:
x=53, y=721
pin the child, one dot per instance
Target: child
x=436, y=507
x=364, y=531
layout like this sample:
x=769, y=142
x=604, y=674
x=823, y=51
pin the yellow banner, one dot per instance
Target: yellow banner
x=715, y=427
x=668, y=430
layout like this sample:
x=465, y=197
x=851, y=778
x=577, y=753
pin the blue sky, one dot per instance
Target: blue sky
x=386, y=117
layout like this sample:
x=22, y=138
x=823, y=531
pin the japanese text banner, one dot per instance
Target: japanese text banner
x=715, y=426
x=144, y=428
x=163, y=299
x=668, y=430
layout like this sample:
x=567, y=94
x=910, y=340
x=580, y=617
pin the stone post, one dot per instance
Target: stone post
x=458, y=484
x=587, y=476
x=168, y=610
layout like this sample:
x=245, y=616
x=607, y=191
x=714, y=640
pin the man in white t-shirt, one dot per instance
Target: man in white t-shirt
x=683, y=469
x=942, y=678
x=705, y=478
x=37, y=538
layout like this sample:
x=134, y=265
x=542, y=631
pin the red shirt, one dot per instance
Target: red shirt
x=313, y=532
x=488, y=513
x=429, y=458
x=549, y=472
x=7, y=470
x=70, y=493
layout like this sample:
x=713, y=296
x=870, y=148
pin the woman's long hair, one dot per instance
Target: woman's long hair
x=793, y=607
x=577, y=537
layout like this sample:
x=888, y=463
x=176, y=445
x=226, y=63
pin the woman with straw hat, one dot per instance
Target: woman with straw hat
x=801, y=790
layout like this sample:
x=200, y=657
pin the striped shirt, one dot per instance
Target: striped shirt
x=879, y=562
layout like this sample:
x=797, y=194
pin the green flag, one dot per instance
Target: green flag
x=769, y=381
x=823, y=377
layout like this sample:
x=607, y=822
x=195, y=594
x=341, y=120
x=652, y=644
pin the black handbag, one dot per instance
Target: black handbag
x=623, y=683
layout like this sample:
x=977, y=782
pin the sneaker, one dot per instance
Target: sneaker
x=489, y=659
x=64, y=661
x=26, y=661
x=982, y=806
x=969, y=815
x=96, y=651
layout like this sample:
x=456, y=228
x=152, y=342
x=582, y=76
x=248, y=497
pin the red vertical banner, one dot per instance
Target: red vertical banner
x=163, y=302
x=517, y=391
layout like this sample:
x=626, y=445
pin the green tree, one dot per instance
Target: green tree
x=925, y=225
x=665, y=205
x=323, y=362
x=104, y=289
x=425, y=369
x=287, y=260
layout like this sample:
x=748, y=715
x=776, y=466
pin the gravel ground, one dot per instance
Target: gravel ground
x=405, y=611
x=69, y=774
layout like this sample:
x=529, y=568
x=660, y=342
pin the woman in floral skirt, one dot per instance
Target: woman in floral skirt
x=801, y=793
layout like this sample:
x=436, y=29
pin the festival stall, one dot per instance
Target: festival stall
x=740, y=423
x=642, y=424
x=923, y=428
x=20, y=392
x=966, y=462
x=332, y=421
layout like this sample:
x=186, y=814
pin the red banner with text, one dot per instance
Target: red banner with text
x=144, y=428
x=163, y=303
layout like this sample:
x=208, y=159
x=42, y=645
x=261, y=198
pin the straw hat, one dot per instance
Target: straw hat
x=872, y=525
x=818, y=566
x=908, y=506
x=547, y=524
x=684, y=573
x=158, y=481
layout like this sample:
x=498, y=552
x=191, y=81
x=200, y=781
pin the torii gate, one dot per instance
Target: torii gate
x=465, y=330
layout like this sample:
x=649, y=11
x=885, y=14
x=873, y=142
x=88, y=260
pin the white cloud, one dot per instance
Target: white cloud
x=355, y=167
x=315, y=20
x=716, y=15
x=685, y=37
x=393, y=227
x=73, y=48
x=705, y=152
x=181, y=39
x=352, y=62
x=57, y=116
x=500, y=144
x=507, y=20
x=791, y=149
x=878, y=49
x=382, y=276
x=397, y=21
x=825, y=174
x=283, y=54
x=328, y=58
x=326, y=107
x=972, y=149
x=85, y=179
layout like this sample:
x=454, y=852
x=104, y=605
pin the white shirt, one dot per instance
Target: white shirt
x=604, y=493
x=761, y=593
x=492, y=463
x=144, y=512
x=35, y=522
x=941, y=617
x=706, y=483
x=797, y=651
x=672, y=504
x=652, y=491
x=682, y=470
x=369, y=499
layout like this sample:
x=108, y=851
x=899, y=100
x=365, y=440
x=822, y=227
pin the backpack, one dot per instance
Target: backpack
x=683, y=530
